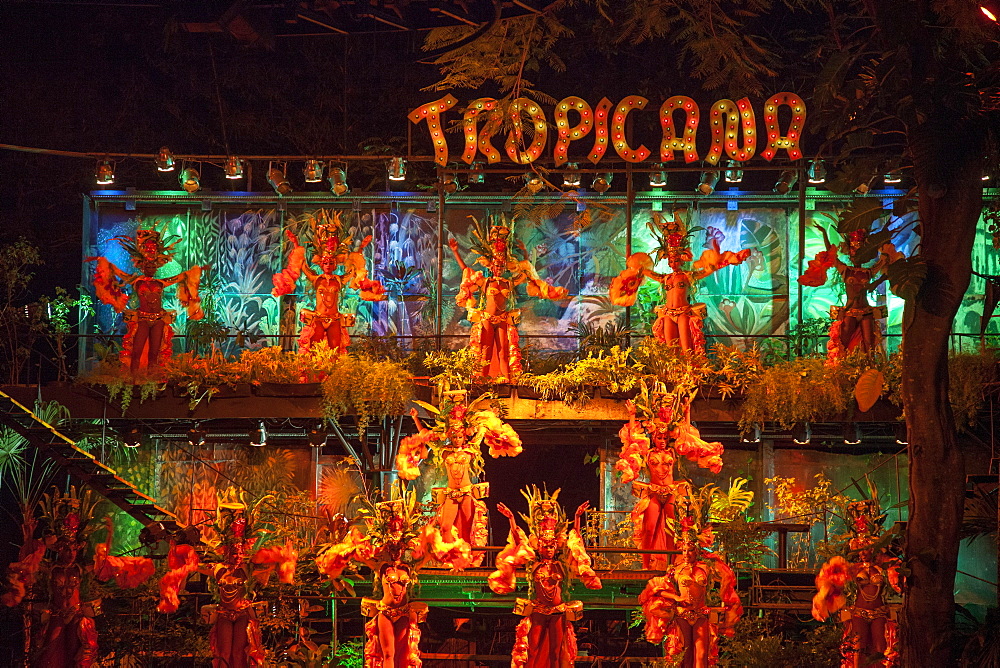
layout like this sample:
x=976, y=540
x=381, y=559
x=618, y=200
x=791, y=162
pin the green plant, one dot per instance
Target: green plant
x=800, y=390
x=815, y=505
x=350, y=654
x=371, y=389
x=757, y=644
x=613, y=369
x=969, y=374
x=202, y=377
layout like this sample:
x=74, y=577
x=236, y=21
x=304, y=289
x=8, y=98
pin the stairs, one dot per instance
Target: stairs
x=82, y=466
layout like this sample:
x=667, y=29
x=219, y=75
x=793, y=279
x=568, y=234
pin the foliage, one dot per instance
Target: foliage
x=350, y=654
x=981, y=646
x=370, y=389
x=969, y=374
x=817, y=505
x=56, y=322
x=614, y=370
x=758, y=644
x=20, y=325
x=203, y=376
x=980, y=514
x=800, y=390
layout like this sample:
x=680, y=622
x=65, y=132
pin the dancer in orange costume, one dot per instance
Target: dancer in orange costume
x=658, y=431
x=494, y=320
x=69, y=635
x=676, y=605
x=235, y=635
x=332, y=252
x=455, y=441
x=855, y=324
x=870, y=625
x=551, y=554
x=147, y=343
x=678, y=321
x=392, y=545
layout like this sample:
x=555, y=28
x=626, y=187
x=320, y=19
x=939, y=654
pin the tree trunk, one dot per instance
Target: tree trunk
x=947, y=167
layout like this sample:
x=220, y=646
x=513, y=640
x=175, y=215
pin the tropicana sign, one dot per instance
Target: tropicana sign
x=728, y=120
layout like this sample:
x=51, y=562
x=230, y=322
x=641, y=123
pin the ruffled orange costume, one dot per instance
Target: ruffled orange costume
x=489, y=298
x=550, y=555
x=665, y=430
x=662, y=605
x=678, y=311
x=326, y=322
x=455, y=441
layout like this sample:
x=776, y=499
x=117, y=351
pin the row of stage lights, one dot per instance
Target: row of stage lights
x=258, y=436
x=234, y=168
x=313, y=171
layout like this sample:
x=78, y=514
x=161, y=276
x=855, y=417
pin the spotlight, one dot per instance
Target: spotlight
x=990, y=14
x=105, y=173
x=892, y=177
x=190, y=179
x=338, y=182
x=786, y=180
x=233, y=168
x=602, y=182
x=397, y=169
x=852, y=433
x=279, y=181
x=658, y=179
x=313, y=171
x=165, y=160
x=816, y=172
x=571, y=177
x=734, y=171
x=196, y=436
x=476, y=174
x=258, y=436
x=863, y=188
x=708, y=181
x=752, y=436
x=986, y=177
x=902, y=437
x=318, y=437
x=449, y=183
x=801, y=433
x=132, y=438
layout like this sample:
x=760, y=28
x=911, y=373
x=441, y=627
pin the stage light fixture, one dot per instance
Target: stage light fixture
x=658, y=177
x=132, y=438
x=816, y=172
x=279, y=182
x=318, y=437
x=104, y=174
x=233, y=168
x=990, y=13
x=602, y=182
x=258, y=436
x=892, y=178
x=196, y=436
x=734, y=171
x=752, y=436
x=902, y=436
x=786, y=180
x=449, y=183
x=313, y=171
x=397, y=169
x=852, y=433
x=165, y=160
x=862, y=188
x=533, y=182
x=708, y=181
x=476, y=172
x=986, y=177
x=338, y=182
x=801, y=433
x=571, y=177
x=190, y=179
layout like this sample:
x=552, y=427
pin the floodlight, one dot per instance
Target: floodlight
x=786, y=180
x=449, y=183
x=190, y=179
x=892, y=178
x=571, y=177
x=313, y=171
x=338, y=182
x=852, y=433
x=105, y=173
x=801, y=433
x=318, y=437
x=602, y=182
x=132, y=438
x=279, y=181
x=708, y=181
x=658, y=177
x=165, y=160
x=397, y=169
x=258, y=436
x=476, y=173
x=816, y=172
x=734, y=171
x=233, y=168
x=196, y=436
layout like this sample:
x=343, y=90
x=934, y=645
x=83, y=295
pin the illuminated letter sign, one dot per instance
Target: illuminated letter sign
x=789, y=142
x=431, y=112
x=569, y=134
x=727, y=117
x=618, y=129
x=671, y=142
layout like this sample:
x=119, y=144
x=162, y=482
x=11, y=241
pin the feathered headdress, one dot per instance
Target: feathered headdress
x=68, y=518
x=546, y=519
x=148, y=247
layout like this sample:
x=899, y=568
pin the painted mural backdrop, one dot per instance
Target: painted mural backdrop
x=582, y=253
